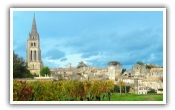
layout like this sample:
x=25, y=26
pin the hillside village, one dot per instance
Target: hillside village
x=140, y=78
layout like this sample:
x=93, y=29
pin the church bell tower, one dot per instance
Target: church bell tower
x=33, y=52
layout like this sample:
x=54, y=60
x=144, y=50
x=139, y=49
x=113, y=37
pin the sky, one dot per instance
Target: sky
x=94, y=37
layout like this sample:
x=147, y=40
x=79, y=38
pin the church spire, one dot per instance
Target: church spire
x=34, y=29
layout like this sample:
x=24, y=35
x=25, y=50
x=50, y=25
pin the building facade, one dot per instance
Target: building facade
x=156, y=72
x=139, y=70
x=114, y=71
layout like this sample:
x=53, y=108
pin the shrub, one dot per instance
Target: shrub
x=151, y=91
x=45, y=71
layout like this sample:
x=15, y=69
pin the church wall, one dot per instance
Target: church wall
x=33, y=52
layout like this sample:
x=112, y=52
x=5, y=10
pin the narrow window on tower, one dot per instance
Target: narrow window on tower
x=31, y=44
x=35, y=54
x=31, y=55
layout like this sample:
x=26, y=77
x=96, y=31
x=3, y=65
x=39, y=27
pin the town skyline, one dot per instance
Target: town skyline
x=71, y=37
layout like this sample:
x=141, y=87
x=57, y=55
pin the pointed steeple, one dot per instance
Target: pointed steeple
x=34, y=29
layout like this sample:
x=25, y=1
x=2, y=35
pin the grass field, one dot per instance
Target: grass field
x=136, y=97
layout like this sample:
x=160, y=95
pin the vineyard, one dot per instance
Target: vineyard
x=69, y=90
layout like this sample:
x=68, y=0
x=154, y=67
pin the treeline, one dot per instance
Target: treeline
x=20, y=67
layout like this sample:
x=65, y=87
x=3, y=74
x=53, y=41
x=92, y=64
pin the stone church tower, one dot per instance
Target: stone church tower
x=33, y=52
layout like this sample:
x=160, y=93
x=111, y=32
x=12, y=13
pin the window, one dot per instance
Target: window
x=31, y=55
x=31, y=44
x=35, y=55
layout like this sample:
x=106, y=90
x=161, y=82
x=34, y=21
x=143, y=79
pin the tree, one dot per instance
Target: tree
x=154, y=66
x=151, y=91
x=114, y=63
x=45, y=71
x=121, y=85
x=81, y=64
x=20, y=67
x=140, y=63
x=148, y=67
x=123, y=70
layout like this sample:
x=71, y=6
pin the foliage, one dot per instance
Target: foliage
x=117, y=89
x=74, y=90
x=140, y=63
x=20, y=67
x=148, y=67
x=151, y=91
x=45, y=71
x=153, y=66
x=21, y=92
x=81, y=64
x=114, y=63
x=123, y=70
x=121, y=85
x=60, y=90
x=35, y=75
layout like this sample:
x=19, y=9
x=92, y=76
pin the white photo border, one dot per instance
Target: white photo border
x=88, y=102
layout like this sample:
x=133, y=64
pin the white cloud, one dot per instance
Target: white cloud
x=74, y=59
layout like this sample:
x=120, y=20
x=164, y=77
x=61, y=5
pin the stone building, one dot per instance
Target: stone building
x=33, y=52
x=143, y=85
x=114, y=71
x=140, y=70
x=156, y=72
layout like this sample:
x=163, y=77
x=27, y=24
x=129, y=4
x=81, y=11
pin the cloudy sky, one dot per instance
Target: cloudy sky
x=95, y=37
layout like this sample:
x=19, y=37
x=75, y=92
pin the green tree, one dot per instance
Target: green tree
x=121, y=85
x=151, y=91
x=20, y=67
x=81, y=64
x=148, y=67
x=140, y=63
x=123, y=70
x=45, y=71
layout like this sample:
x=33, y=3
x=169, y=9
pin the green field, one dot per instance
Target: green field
x=136, y=97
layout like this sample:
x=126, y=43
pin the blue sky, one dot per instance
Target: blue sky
x=95, y=37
